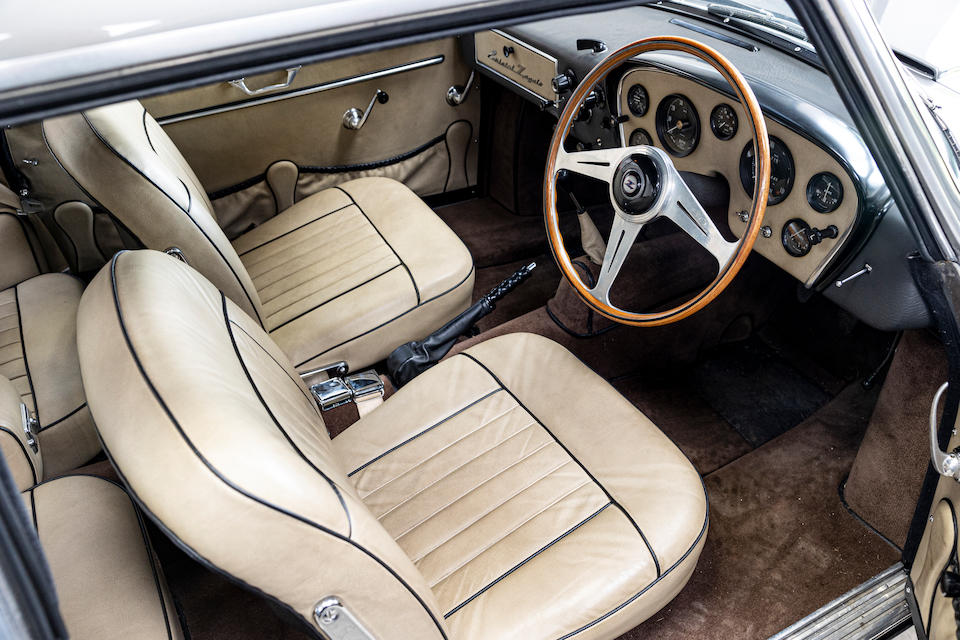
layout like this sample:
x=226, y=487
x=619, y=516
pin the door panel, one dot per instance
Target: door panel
x=231, y=139
x=937, y=552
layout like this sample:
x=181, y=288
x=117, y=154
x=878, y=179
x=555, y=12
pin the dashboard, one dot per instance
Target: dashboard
x=830, y=218
x=813, y=204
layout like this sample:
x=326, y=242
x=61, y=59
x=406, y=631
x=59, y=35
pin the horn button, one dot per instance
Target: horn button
x=636, y=184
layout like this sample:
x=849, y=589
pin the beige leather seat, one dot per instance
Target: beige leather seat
x=349, y=273
x=108, y=582
x=508, y=492
x=106, y=577
x=38, y=351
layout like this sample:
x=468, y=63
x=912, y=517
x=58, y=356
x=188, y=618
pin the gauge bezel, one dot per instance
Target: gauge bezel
x=786, y=247
x=639, y=130
x=713, y=124
x=646, y=99
x=661, y=125
x=746, y=180
x=815, y=204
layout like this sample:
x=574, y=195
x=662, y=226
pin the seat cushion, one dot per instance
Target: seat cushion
x=352, y=272
x=107, y=579
x=38, y=353
x=536, y=501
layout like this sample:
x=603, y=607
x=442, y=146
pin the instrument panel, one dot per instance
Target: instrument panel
x=812, y=204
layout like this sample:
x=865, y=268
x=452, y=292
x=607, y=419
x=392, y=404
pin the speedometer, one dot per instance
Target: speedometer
x=781, y=170
x=678, y=125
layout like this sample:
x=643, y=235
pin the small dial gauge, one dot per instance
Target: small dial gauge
x=640, y=136
x=637, y=100
x=678, y=125
x=795, y=238
x=824, y=192
x=781, y=170
x=723, y=121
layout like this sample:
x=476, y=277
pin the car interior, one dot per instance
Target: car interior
x=704, y=423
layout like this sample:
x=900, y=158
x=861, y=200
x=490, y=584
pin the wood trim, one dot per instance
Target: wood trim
x=761, y=187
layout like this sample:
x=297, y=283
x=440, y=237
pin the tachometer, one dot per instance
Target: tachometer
x=640, y=136
x=781, y=170
x=723, y=121
x=678, y=125
x=824, y=192
x=637, y=100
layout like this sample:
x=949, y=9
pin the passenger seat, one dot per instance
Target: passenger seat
x=38, y=347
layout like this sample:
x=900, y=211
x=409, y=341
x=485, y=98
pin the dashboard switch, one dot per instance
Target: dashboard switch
x=562, y=83
x=816, y=236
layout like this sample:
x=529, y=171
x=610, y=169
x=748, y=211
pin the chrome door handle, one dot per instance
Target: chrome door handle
x=241, y=83
x=353, y=118
x=946, y=464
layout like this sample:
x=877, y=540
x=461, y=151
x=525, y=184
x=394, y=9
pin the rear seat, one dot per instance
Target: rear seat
x=107, y=578
x=108, y=581
x=38, y=345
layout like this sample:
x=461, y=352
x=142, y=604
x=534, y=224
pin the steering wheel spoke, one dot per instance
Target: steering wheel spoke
x=596, y=163
x=686, y=212
x=623, y=233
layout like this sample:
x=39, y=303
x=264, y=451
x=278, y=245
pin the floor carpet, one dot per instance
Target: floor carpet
x=780, y=543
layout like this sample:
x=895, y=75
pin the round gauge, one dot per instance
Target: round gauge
x=824, y=192
x=640, y=136
x=637, y=100
x=723, y=121
x=781, y=170
x=795, y=238
x=678, y=125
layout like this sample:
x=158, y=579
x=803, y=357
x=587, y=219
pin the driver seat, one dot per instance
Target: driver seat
x=508, y=492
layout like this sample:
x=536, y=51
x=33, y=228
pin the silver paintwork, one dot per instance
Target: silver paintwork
x=675, y=202
x=241, y=83
x=109, y=39
x=898, y=116
x=869, y=611
x=337, y=622
x=327, y=86
x=946, y=464
x=354, y=119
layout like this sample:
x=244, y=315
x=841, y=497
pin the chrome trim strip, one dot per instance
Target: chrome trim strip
x=876, y=607
x=317, y=88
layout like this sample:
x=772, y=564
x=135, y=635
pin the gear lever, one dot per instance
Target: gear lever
x=409, y=360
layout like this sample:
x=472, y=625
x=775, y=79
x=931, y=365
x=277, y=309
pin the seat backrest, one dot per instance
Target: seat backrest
x=220, y=441
x=128, y=165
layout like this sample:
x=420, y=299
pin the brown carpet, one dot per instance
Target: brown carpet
x=780, y=543
x=888, y=473
x=493, y=235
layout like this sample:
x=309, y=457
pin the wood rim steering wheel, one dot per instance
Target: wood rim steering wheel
x=645, y=185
